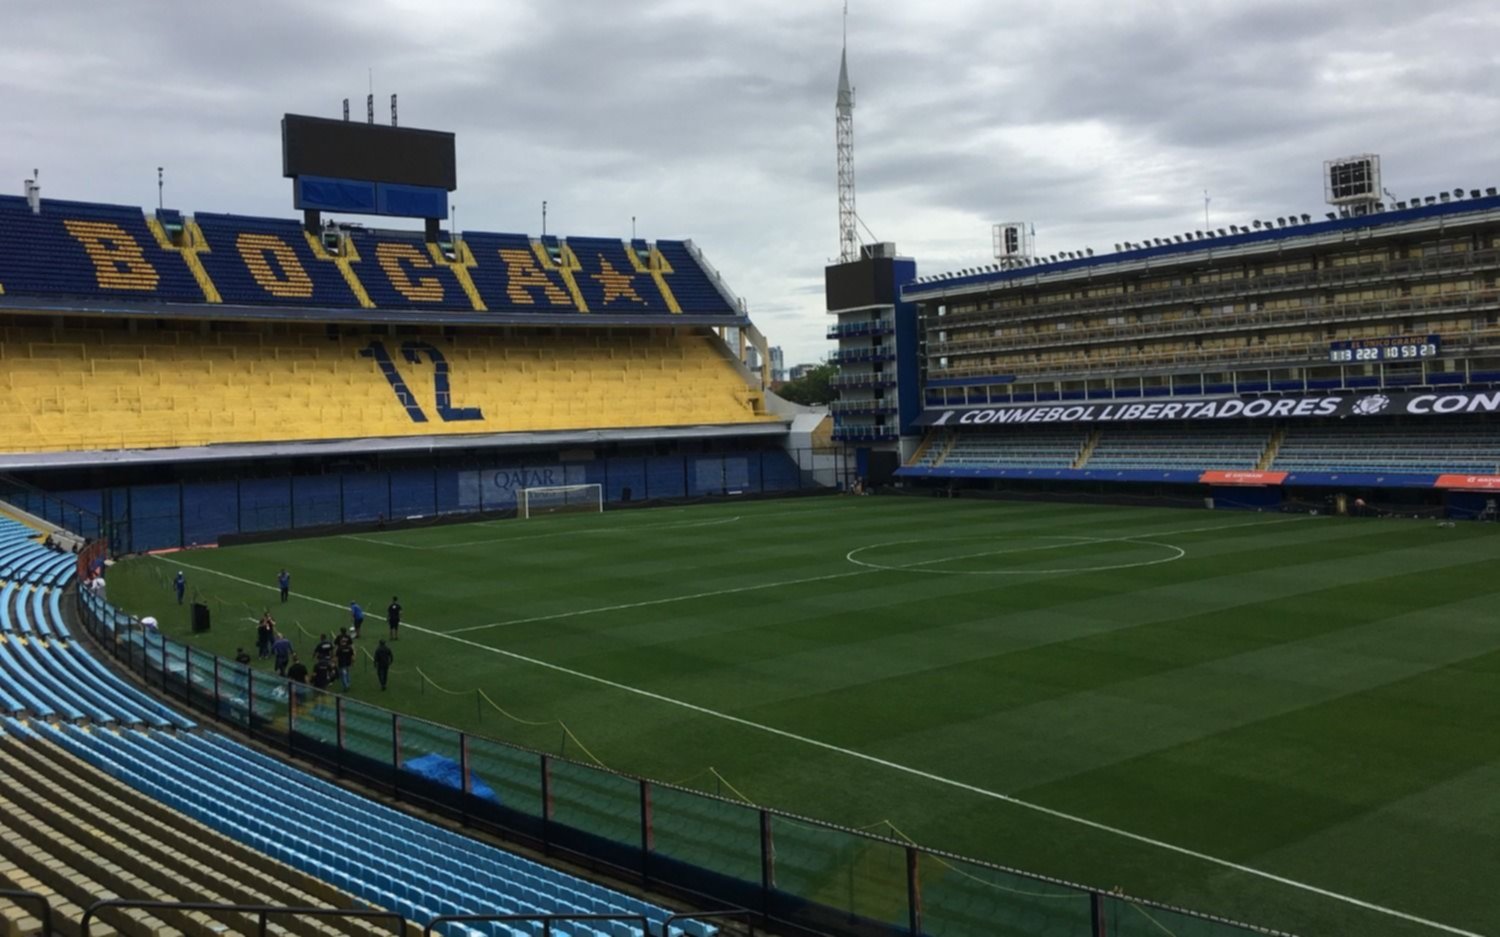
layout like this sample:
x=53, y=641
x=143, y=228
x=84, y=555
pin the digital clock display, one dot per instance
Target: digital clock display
x=1374, y=350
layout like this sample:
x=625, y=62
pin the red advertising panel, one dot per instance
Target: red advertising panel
x=1242, y=478
x=1469, y=482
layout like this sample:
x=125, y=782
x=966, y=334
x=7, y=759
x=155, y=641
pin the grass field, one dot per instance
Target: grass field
x=1289, y=720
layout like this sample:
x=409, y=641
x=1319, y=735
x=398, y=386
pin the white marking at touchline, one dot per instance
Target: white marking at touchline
x=896, y=766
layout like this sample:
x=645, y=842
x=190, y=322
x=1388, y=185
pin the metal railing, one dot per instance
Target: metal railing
x=24, y=898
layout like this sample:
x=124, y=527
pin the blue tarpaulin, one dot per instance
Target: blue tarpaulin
x=449, y=773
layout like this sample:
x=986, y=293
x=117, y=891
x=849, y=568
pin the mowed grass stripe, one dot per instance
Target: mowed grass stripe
x=973, y=645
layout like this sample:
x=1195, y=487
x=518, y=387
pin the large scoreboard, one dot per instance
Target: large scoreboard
x=341, y=165
x=1390, y=348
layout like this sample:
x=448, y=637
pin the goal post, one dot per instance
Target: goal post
x=560, y=499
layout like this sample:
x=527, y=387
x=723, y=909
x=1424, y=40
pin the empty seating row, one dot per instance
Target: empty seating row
x=74, y=834
x=1053, y=448
x=1147, y=447
x=189, y=387
x=1439, y=448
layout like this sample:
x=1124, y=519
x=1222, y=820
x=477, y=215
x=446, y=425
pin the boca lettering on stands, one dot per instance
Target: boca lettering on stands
x=1198, y=409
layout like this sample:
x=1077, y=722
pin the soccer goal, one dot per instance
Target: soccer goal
x=560, y=499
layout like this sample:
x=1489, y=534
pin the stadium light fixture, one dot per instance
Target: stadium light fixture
x=1444, y=197
x=1117, y=248
x=1257, y=224
x=1306, y=218
x=1088, y=251
x=1473, y=193
x=1221, y=233
x=1492, y=191
x=1332, y=216
x=1458, y=193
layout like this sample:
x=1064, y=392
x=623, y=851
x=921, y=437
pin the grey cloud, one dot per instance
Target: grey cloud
x=1097, y=121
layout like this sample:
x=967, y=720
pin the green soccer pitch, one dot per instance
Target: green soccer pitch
x=1284, y=719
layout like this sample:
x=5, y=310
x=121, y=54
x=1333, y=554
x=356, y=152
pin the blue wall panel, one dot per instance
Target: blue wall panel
x=413, y=493
x=316, y=500
x=779, y=472
x=366, y=496
x=265, y=504
x=665, y=477
x=155, y=522
x=209, y=510
x=625, y=473
x=448, y=492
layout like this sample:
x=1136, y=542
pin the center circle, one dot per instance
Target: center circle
x=1043, y=543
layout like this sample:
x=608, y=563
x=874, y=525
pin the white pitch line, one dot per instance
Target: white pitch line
x=907, y=769
x=682, y=525
x=646, y=603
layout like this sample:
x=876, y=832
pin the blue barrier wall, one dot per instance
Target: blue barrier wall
x=164, y=516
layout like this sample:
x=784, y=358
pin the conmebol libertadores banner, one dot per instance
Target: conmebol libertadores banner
x=1348, y=404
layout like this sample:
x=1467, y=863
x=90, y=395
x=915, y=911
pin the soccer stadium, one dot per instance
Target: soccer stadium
x=360, y=574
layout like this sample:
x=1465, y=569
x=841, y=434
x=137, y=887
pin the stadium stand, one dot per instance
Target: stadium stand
x=73, y=833
x=1043, y=449
x=85, y=388
x=85, y=250
x=60, y=700
x=1463, y=448
x=1148, y=447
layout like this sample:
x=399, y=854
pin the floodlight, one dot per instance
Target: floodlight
x=1458, y=193
x=1332, y=216
x=1257, y=224
x=1221, y=233
x=1492, y=191
x=1443, y=196
x=1473, y=193
x=1089, y=251
x=1306, y=218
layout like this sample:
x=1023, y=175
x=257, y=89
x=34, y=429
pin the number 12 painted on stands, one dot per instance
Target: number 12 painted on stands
x=442, y=390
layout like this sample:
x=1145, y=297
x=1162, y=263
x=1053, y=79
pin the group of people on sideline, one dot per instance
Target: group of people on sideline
x=333, y=658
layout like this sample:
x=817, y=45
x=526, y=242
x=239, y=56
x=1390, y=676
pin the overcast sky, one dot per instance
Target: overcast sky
x=1097, y=122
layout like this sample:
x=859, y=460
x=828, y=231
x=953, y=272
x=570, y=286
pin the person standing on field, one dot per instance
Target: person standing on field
x=281, y=650
x=284, y=580
x=356, y=615
x=383, y=660
x=180, y=584
x=343, y=653
x=393, y=616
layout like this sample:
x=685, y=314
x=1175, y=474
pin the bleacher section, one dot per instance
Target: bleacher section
x=75, y=834
x=1058, y=448
x=1469, y=448
x=78, y=250
x=85, y=389
x=1209, y=447
x=59, y=696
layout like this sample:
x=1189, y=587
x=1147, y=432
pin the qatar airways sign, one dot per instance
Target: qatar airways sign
x=1202, y=409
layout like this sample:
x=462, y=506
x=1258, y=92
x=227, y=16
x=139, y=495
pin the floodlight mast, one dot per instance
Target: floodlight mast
x=844, y=138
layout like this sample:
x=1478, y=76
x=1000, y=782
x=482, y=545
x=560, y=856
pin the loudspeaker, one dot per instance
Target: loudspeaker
x=200, y=618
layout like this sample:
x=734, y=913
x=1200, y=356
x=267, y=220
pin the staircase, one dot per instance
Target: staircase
x=1088, y=448
x=1273, y=447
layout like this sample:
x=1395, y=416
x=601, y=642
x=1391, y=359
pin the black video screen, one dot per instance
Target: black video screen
x=341, y=149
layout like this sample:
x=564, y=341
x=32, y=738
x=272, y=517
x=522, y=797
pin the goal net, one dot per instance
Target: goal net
x=560, y=499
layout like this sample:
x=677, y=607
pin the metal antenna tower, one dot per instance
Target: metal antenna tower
x=848, y=235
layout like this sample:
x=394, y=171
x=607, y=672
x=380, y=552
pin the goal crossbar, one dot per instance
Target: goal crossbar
x=560, y=499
